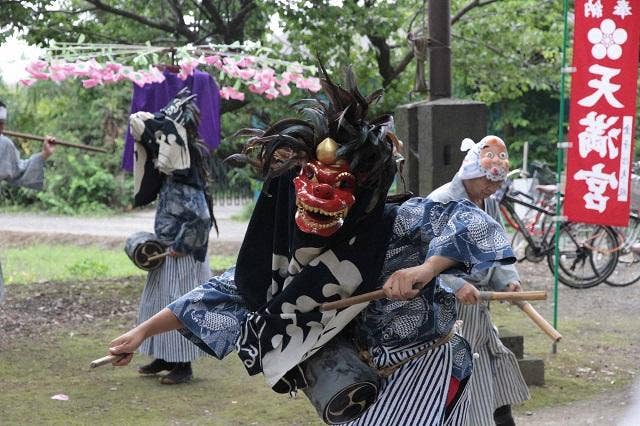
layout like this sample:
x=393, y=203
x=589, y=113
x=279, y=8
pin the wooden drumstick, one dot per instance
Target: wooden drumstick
x=539, y=320
x=107, y=360
x=157, y=256
x=56, y=142
x=484, y=295
x=354, y=300
x=513, y=296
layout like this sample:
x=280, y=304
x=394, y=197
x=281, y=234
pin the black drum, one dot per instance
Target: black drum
x=143, y=245
x=341, y=386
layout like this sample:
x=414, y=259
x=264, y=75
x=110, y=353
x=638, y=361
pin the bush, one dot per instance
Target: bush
x=81, y=184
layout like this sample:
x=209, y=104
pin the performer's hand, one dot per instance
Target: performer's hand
x=174, y=253
x=406, y=283
x=48, y=146
x=468, y=294
x=514, y=286
x=126, y=344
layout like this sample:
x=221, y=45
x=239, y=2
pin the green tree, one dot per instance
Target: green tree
x=504, y=52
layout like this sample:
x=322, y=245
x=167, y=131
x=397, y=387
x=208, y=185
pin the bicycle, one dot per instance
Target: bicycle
x=588, y=253
x=627, y=271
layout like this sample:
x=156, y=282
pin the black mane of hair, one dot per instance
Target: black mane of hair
x=291, y=142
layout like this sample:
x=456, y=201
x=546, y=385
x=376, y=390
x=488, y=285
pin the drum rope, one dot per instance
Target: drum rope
x=389, y=370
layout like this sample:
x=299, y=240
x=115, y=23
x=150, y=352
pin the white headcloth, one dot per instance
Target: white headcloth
x=470, y=168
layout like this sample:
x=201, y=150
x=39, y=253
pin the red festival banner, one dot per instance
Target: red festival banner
x=602, y=112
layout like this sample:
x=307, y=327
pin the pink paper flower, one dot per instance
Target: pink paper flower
x=186, y=67
x=311, y=83
x=231, y=70
x=256, y=88
x=90, y=82
x=60, y=70
x=28, y=82
x=291, y=76
x=271, y=93
x=37, y=69
x=246, y=74
x=231, y=93
x=245, y=62
x=213, y=60
x=284, y=89
x=113, y=67
x=60, y=397
x=266, y=76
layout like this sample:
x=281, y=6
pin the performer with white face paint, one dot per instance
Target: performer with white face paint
x=27, y=173
x=496, y=382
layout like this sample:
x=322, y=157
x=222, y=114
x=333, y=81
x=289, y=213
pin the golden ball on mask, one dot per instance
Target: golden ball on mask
x=326, y=151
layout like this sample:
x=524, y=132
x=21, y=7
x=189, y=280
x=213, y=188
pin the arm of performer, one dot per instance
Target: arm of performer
x=127, y=343
x=506, y=278
x=406, y=283
x=465, y=292
x=48, y=146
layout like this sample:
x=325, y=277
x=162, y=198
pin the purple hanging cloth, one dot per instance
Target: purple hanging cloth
x=152, y=97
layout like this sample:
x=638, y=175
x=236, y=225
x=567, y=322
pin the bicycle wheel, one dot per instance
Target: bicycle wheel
x=587, y=254
x=627, y=271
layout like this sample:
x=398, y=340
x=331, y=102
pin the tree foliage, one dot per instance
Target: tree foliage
x=504, y=52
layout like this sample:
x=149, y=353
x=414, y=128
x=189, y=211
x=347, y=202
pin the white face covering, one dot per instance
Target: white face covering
x=477, y=163
x=3, y=113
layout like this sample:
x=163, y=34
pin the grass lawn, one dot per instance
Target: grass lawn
x=67, y=302
x=220, y=394
x=40, y=263
x=590, y=358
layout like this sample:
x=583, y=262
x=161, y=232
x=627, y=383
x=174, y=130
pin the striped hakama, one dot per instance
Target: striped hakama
x=496, y=378
x=416, y=393
x=177, y=276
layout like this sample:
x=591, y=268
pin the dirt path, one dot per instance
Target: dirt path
x=616, y=408
x=18, y=229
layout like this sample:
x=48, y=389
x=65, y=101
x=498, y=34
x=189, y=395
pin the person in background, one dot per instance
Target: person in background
x=170, y=166
x=497, y=382
x=27, y=173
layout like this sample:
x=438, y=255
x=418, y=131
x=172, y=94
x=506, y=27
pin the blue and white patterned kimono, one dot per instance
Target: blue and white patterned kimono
x=213, y=313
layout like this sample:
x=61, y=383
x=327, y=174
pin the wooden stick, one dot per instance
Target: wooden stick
x=539, y=320
x=157, y=256
x=106, y=360
x=354, y=300
x=513, y=296
x=56, y=142
x=484, y=295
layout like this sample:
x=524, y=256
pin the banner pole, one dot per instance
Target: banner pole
x=559, y=169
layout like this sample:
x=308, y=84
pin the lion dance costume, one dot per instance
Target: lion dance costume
x=322, y=231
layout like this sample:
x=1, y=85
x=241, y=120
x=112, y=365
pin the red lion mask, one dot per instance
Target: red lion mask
x=324, y=193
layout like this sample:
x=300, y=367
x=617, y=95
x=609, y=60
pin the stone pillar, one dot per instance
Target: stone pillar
x=532, y=368
x=432, y=132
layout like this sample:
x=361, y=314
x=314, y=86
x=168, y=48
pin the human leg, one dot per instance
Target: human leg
x=503, y=417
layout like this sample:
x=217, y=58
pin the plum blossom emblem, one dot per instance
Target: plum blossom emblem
x=607, y=40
